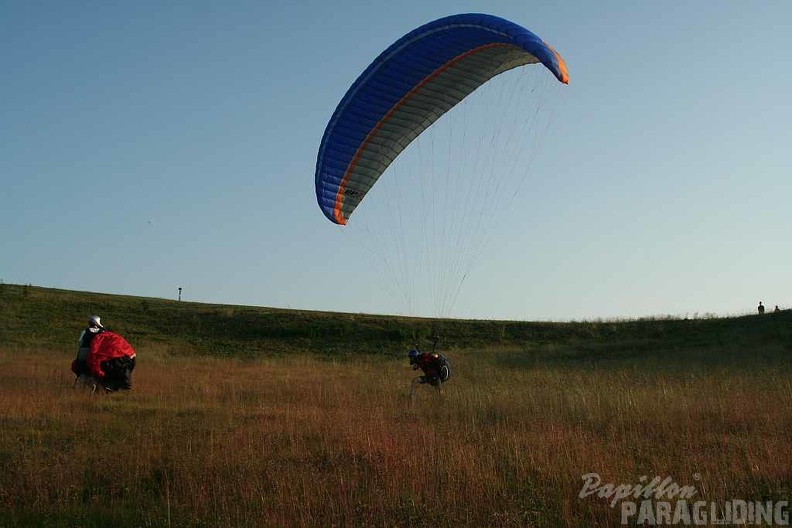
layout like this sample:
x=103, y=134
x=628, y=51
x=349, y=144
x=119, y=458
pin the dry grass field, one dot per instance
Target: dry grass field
x=305, y=440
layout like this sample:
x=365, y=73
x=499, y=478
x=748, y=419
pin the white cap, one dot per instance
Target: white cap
x=95, y=320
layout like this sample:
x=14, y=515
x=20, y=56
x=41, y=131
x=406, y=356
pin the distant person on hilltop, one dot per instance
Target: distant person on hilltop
x=436, y=369
x=760, y=308
x=777, y=309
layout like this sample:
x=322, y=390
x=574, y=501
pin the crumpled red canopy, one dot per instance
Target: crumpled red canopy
x=106, y=346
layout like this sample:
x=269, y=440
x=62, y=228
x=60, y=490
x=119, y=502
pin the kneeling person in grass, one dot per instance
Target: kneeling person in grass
x=435, y=367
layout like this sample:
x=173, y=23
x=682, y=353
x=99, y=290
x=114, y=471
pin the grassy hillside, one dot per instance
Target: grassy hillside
x=291, y=439
x=34, y=317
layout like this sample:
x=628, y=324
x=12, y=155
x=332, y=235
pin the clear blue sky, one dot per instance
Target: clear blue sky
x=150, y=145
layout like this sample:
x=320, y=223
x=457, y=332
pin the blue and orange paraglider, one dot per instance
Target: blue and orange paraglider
x=407, y=88
x=463, y=152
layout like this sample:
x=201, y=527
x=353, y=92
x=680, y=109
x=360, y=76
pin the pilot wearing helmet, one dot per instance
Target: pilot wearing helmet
x=84, y=343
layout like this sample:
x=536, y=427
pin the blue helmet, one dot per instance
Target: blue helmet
x=413, y=354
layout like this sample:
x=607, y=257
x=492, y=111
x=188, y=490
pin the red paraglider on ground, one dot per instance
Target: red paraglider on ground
x=105, y=347
x=110, y=361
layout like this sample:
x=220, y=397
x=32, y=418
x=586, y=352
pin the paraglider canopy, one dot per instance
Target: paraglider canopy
x=106, y=346
x=407, y=88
